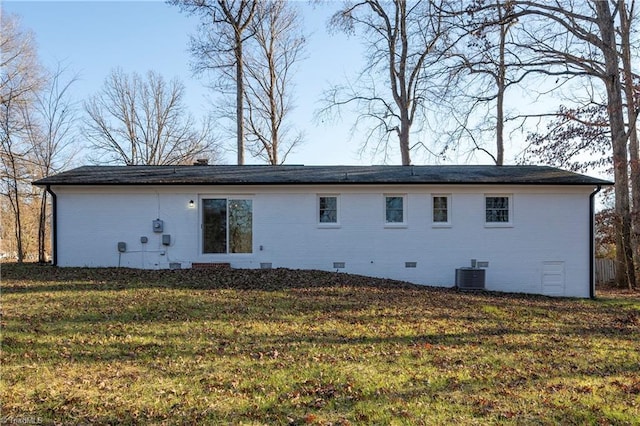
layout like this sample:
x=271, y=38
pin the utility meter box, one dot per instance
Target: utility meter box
x=122, y=246
x=166, y=240
x=158, y=226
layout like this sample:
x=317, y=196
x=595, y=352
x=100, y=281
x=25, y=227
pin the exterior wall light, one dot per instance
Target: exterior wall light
x=192, y=204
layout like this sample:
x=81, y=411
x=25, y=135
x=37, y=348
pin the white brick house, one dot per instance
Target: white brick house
x=532, y=225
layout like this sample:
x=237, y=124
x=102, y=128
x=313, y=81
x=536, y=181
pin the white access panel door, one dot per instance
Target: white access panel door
x=553, y=278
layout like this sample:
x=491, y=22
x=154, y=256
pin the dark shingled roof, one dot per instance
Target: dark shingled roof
x=307, y=175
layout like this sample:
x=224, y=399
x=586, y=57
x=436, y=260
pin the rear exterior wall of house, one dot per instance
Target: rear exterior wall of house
x=534, y=238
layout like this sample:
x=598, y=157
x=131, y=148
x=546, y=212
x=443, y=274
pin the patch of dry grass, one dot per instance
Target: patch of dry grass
x=306, y=347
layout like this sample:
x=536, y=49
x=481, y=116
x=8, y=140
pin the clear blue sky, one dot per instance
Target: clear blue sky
x=93, y=37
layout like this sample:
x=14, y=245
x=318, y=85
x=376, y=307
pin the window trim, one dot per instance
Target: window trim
x=228, y=198
x=325, y=225
x=405, y=209
x=510, y=209
x=446, y=224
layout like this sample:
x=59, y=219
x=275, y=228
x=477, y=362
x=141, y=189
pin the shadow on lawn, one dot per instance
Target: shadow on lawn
x=121, y=337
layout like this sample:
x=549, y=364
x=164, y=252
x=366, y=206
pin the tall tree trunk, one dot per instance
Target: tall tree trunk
x=632, y=117
x=15, y=204
x=273, y=155
x=634, y=160
x=275, y=132
x=239, y=98
x=500, y=128
x=501, y=81
x=634, y=149
x=14, y=199
x=398, y=77
x=404, y=139
x=624, y=253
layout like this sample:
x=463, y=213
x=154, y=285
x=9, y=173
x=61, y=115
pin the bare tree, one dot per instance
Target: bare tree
x=579, y=39
x=220, y=47
x=20, y=79
x=401, y=38
x=631, y=80
x=51, y=136
x=577, y=139
x=485, y=64
x=14, y=172
x=144, y=121
x=21, y=74
x=277, y=45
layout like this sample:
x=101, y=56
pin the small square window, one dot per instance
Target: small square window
x=394, y=209
x=497, y=209
x=440, y=209
x=328, y=209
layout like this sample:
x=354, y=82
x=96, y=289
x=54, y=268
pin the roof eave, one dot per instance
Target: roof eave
x=44, y=184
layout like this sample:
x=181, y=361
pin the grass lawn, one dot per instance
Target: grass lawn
x=305, y=347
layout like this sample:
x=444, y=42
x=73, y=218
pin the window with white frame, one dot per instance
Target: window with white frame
x=498, y=209
x=395, y=209
x=328, y=209
x=227, y=225
x=440, y=209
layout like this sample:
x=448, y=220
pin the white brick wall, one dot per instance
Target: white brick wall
x=550, y=224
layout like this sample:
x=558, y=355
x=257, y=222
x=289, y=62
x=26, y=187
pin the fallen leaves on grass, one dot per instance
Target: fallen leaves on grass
x=281, y=346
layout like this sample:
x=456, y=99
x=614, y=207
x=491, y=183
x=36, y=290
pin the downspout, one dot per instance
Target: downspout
x=54, y=225
x=592, y=244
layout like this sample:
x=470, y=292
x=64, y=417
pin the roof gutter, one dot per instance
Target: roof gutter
x=592, y=243
x=54, y=225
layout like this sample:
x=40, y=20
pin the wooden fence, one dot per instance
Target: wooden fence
x=605, y=270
